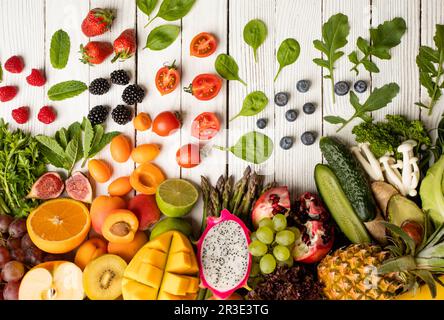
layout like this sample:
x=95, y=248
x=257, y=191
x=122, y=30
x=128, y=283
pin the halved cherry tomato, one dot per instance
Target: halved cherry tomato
x=188, y=156
x=203, y=45
x=205, y=86
x=167, y=79
x=205, y=126
x=166, y=123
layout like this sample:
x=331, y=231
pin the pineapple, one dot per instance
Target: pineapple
x=369, y=272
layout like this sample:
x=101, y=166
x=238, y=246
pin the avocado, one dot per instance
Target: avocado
x=431, y=194
x=400, y=209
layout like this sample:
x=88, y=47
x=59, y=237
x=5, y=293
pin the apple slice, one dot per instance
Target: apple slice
x=55, y=280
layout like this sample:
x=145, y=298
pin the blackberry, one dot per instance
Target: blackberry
x=98, y=115
x=121, y=114
x=99, y=86
x=132, y=94
x=120, y=77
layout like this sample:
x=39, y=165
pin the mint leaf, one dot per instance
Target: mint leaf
x=88, y=137
x=52, y=151
x=106, y=139
x=71, y=154
x=59, y=51
x=66, y=89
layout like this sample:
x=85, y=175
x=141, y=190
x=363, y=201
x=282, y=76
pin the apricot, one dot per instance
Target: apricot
x=146, y=178
x=145, y=208
x=90, y=250
x=101, y=207
x=128, y=250
x=142, y=122
x=120, y=226
x=99, y=170
x=120, y=148
x=120, y=187
x=145, y=153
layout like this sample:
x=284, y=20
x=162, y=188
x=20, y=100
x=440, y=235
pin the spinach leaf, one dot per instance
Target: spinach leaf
x=253, y=147
x=66, y=89
x=227, y=68
x=147, y=6
x=255, y=33
x=59, y=50
x=162, y=37
x=254, y=103
x=287, y=54
x=172, y=10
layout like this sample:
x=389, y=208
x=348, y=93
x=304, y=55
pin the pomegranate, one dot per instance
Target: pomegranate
x=316, y=230
x=274, y=201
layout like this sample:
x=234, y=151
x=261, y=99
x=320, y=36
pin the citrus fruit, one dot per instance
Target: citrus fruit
x=176, y=197
x=59, y=226
x=169, y=224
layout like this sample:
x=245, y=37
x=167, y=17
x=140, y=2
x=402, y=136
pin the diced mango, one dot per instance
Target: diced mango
x=182, y=262
x=162, y=242
x=133, y=290
x=180, y=243
x=144, y=273
x=179, y=284
x=155, y=258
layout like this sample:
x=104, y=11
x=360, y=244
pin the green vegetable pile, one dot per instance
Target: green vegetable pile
x=21, y=164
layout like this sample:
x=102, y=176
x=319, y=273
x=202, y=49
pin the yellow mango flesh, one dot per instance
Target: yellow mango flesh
x=164, y=269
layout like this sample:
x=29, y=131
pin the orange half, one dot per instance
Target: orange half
x=59, y=226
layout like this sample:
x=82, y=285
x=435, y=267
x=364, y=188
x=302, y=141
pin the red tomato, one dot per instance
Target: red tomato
x=205, y=126
x=203, y=45
x=167, y=79
x=166, y=123
x=188, y=156
x=205, y=86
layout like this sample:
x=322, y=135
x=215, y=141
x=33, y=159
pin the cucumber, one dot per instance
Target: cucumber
x=351, y=176
x=339, y=206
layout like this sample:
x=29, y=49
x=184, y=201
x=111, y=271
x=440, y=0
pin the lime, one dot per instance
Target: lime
x=176, y=197
x=169, y=224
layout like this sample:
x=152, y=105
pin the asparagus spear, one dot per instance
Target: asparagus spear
x=267, y=187
x=214, y=196
x=226, y=195
x=253, y=185
x=241, y=192
x=204, y=184
x=220, y=185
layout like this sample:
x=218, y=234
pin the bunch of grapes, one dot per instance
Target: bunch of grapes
x=272, y=244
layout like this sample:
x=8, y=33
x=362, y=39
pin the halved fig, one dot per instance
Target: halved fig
x=48, y=186
x=78, y=187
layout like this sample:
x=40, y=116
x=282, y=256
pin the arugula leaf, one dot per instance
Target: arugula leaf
x=385, y=37
x=147, y=6
x=287, y=54
x=255, y=33
x=106, y=139
x=334, y=34
x=378, y=99
x=253, y=103
x=431, y=69
x=162, y=37
x=59, y=50
x=227, y=68
x=172, y=10
x=66, y=89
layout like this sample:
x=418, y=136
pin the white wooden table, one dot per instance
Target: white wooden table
x=26, y=27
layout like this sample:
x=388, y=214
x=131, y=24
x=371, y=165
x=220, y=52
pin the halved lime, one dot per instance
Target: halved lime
x=176, y=197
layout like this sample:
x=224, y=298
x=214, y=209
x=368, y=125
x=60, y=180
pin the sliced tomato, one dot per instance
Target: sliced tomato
x=203, y=45
x=205, y=86
x=205, y=126
x=188, y=156
x=167, y=79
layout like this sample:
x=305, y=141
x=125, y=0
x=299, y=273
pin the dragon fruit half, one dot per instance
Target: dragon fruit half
x=224, y=259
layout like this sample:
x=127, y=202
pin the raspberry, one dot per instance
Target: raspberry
x=36, y=78
x=14, y=64
x=21, y=115
x=46, y=115
x=7, y=93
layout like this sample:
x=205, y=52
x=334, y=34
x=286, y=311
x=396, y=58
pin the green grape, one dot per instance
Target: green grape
x=265, y=235
x=253, y=236
x=267, y=264
x=296, y=231
x=279, y=222
x=281, y=253
x=255, y=269
x=266, y=222
x=285, y=237
x=257, y=248
x=287, y=263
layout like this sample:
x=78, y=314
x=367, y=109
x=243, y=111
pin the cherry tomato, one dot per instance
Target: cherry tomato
x=203, y=45
x=188, y=156
x=167, y=79
x=205, y=86
x=166, y=123
x=205, y=126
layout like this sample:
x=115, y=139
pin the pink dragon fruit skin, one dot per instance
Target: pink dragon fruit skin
x=211, y=223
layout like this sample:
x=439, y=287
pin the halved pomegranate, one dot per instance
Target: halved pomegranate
x=317, y=231
x=274, y=201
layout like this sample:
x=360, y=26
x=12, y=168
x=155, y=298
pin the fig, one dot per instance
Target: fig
x=78, y=187
x=48, y=186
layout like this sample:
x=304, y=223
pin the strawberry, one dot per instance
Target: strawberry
x=46, y=115
x=14, y=64
x=20, y=115
x=97, y=22
x=36, y=78
x=125, y=45
x=7, y=93
x=95, y=52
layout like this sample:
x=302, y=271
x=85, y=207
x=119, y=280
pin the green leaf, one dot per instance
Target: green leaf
x=354, y=101
x=353, y=57
x=253, y=103
x=59, y=50
x=62, y=137
x=380, y=97
x=439, y=37
x=397, y=231
x=334, y=119
x=162, y=37
x=106, y=139
x=402, y=264
x=147, y=6
x=425, y=61
x=287, y=54
x=88, y=137
x=429, y=54
x=52, y=150
x=370, y=66
x=66, y=89
x=388, y=34
x=255, y=33
x=99, y=130
x=172, y=10
x=427, y=277
x=71, y=153
x=53, y=158
x=363, y=45
x=227, y=68
x=321, y=62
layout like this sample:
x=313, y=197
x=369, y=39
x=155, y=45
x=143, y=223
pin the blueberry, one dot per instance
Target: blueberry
x=291, y=115
x=281, y=99
x=303, y=85
x=309, y=108
x=342, y=88
x=286, y=143
x=261, y=123
x=360, y=86
x=308, y=138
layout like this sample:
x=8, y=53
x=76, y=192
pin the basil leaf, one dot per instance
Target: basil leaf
x=172, y=10
x=287, y=54
x=227, y=68
x=71, y=154
x=162, y=37
x=147, y=6
x=106, y=139
x=254, y=103
x=59, y=51
x=88, y=137
x=66, y=89
x=255, y=33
